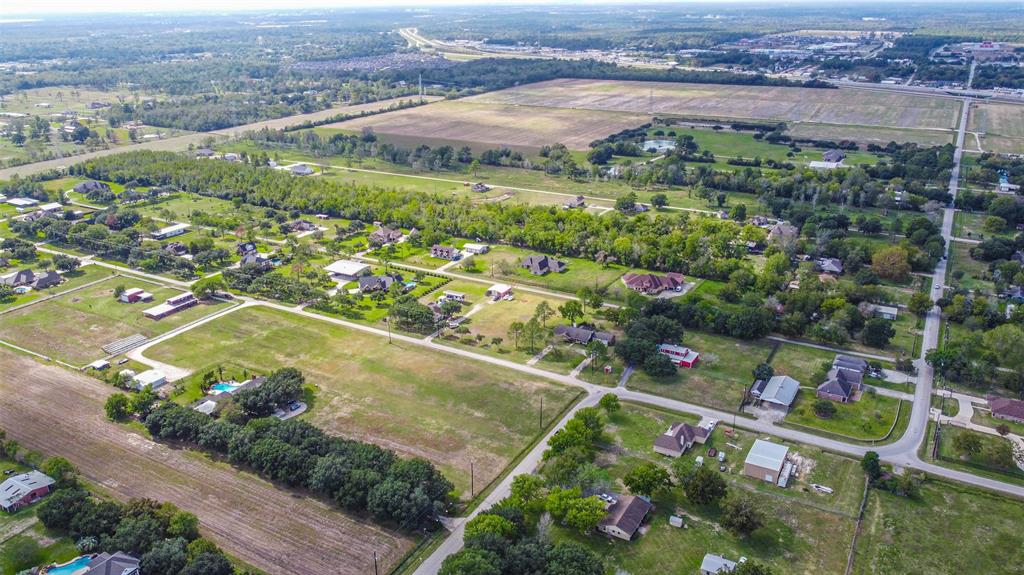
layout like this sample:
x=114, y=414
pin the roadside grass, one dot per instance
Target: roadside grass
x=866, y=419
x=73, y=327
x=949, y=528
x=502, y=263
x=978, y=461
x=793, y=541
x=984, y=417
x=721, y=376
x=950, y=407
x=416, y=401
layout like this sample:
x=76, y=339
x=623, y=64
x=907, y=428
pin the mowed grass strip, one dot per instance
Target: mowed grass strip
x=413, y=400
x=74, y=327
x=59, y=412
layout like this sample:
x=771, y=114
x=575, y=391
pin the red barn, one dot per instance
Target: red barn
x=681, y=356
x=23, y=490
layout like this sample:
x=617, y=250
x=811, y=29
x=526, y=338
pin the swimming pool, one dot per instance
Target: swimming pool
x=72, y=567
x=222, y=387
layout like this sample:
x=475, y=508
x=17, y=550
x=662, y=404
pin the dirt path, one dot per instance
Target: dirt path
x=59, y=412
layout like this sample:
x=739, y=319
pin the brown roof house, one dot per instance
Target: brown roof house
x=782, y=232
x=444, y=252
x=1006, y=408
x=625, y=516
x=539, y=265
x=679, y=438
x=653, y=284
x=383, y=235
x=841, y=385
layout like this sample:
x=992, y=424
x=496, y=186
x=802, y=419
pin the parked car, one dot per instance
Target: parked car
x=721, y=456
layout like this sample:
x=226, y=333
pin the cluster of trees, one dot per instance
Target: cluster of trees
x=263, y=282
x=905, y=485
x=360, y=477
x=986, y=77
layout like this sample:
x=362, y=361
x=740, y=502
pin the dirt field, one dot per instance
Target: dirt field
x=1002, y=126
x=870, y=134
x=501, y=123
x=856, y=107
x=59, y=412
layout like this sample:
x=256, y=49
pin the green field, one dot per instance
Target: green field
x=502, y=265
x=868, y=418
x=723, y=373
x=74, y=327
x=800, y=362
x=729, y=144
x=950, y=528
x=969, y=225
x=416, y=401
x=974, y=271
x=79, y=277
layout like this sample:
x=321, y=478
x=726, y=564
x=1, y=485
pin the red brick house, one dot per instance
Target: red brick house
x=653, y=284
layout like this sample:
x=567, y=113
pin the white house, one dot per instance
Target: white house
x=347, y=270
x=170, y=231
x=477, y=248
x=152, y=378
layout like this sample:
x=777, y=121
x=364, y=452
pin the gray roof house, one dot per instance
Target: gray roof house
x=23, y=489
x=716, y=564
x=117, y=564
x=91, y=186
x=18, y=278
x=830, y=265
x=778, y=391
x=301, y=170
x=834, y=156
x=384, y=235
x=679, y=438
x=625, y=516
x=539, y=265
x=46, y=280
x=583, y=335
x=841, y=385
x=381, y=282
x=849, y=362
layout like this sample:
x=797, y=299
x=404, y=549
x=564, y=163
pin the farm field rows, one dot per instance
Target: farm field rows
x=415, y=401
x=499, y=124
x=855, y=107
x=253, y=520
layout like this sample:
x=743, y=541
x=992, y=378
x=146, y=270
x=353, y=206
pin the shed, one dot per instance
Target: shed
x=152, y=378
x=765, y=460
x=347, y=270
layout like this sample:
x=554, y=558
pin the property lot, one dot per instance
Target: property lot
x=806, y=532
x=971, y=226
x=416, y=401
x=75, y=326
x=868, y=418
x=968, y=531
x=870, y=134
x=965, y=271
x=728, y=143
x=846, y=106
x=500, y=123
x=723, y=373
x=502, y=263
x=77, y=278
x=267, y=527
x=1001, y=126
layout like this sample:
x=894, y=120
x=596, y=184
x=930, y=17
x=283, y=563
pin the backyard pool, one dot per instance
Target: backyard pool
x=224, y=387
x=72, y=567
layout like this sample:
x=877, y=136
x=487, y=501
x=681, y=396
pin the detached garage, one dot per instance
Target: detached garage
x=765, y=460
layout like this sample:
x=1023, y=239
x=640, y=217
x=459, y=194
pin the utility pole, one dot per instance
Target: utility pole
x=540, y=414
x=472, y=487
x=375, y=571
x=421, y=88
x=387, y=320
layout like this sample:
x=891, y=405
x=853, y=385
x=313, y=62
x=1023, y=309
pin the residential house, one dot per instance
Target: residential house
x=51, y=209
x=172, y=305
x=653, y=284
x=783, y=232
x=231, y=157
x=243, y=248
x=117, y=564
x=849, y=362
x=625, y=517
x=577, y=202
x=454, y=296
x=499, y=291
x=19, y=278
x=46, y=280
x=217, y=400
x=883, y=311
x=176, y=249
x=765, y=460
x=133, y=295
x=170, y=231
x=841, y=385
x=679, y=438
x=681, y=356
x=539, y=265
x=91, y=186
x=347, y=270
x=204, y=153
x=378, y=283
x=583, y=335
x=22, y=203
x=834, y=156
x=302, y=226
x=23, y=490
x=256, y=259
x=445, y=252
x=1006, y=408
x=477, y=248
x=832, y=266
x=383, y=236
x=777, y=392
x=301, y=170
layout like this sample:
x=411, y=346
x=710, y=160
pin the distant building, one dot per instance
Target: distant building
x=301, y=170
x=204, y=153
x=499, y=291
x=583, y=335
x=133, y=295
x=765, y=460
x=449, y=253
x=834, y=156
x=171, y=306
x=841, y=385
x=480, y=187
x=778, y=391
x=347, y=270
x=625, y=517
x=477, y=248
x=19, y=278
x=243, y=248
x=831, y=266
x=91, y=186
x=679, y=438
x=384, y=235
x=176, y=249
x=46, y=280
x=22, y=203
x=783, y=232
x=151, y=378
x=681, y=356
x=170, y=231
x=378, y=283
x=716, y=565
x=577, y=202
x=539, y=265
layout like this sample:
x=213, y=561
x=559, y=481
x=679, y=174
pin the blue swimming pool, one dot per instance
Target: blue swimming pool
x=70, y=568
x=220, y=387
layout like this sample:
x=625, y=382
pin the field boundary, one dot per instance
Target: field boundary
x=856, y=530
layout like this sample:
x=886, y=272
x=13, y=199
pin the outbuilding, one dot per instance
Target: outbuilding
x=765, y=460
x=23, y=490
x=347, y=270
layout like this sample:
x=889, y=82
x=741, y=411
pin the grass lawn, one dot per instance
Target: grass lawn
x=795, y=540
x=34, y=547
x=950, y=528
x=368, y=309
x=728, y=143
x=800, y=362
x=501, y=263
x=75, y=326
x=866, y=419
x=950, y=407
x=969, y=225
x=985, y=418
x=723, y=373
x=72, y=280
x=416, y=401
x=974, y=271
x=978, y=461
